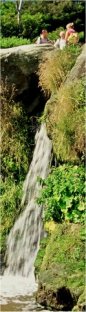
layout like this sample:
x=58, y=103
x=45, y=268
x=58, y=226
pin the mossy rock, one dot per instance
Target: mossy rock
x=62, y=267
x=81, y=303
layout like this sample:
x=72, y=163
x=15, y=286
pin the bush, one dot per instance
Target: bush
x=54, y=35
x=33, y=24
x=81, y=36
x=63, y=194
x=13, y=42
x=9, y=24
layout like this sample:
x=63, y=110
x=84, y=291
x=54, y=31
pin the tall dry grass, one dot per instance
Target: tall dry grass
x=55, y=67
x=65, y=121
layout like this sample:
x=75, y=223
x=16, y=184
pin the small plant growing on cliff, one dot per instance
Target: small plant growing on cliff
x=63, y=194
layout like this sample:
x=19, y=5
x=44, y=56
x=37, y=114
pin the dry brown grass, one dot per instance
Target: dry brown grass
x=53, y=70
x=66, y=122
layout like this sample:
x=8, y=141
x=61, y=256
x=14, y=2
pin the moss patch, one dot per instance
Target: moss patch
x=62, y=266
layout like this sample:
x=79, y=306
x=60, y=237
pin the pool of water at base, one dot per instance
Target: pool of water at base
x=17, y=294
x=22, y=304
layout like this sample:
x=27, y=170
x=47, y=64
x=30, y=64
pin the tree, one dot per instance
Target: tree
x=18, y=4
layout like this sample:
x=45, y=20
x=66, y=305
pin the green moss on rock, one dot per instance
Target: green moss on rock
x=62, y=267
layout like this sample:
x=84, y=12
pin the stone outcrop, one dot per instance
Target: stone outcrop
x=19, y=63
x=20, y=66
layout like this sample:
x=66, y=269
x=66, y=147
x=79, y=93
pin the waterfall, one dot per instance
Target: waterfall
x=24, y=238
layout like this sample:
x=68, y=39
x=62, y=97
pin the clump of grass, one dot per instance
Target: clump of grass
x=66, y=122
x=64, y=111
x=53, y=70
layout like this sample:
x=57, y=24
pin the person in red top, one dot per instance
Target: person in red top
x=71, y=35
x=70, y=30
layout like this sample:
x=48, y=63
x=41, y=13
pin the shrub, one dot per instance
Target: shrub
x=55, y=33
x=81, y=36
x=9, y=24
x=63, y=194
x=13, y=42
x=31, y=24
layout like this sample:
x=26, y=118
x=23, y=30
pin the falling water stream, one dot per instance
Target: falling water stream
x=18, y=282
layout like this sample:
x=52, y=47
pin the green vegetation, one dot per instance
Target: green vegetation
x=53, y=35
x=15, y=127
x=53, y=71
x=60, y=260
x=10, y=204
x=13, y=42
x=17, y=145
x=9, y=42
x=63, y=194
x=68, y=241
x=63, y=264
x=35, y=16
x=66, y=121
x=64, y=111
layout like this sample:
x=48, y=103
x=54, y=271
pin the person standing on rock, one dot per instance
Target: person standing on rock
x=43, y=38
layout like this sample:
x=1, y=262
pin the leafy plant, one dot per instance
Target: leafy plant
x=63, y=194
x=12, y=42
x=81, y=36
x=53, y=35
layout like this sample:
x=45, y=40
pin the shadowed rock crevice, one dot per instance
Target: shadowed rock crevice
x=64, y=298
x=20, y=66
x=33, y=98
x=60, y=300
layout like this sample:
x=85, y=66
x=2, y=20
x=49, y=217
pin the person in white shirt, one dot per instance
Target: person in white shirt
x=61, y=42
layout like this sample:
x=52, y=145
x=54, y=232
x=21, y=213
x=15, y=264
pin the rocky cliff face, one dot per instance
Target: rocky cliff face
x=20, y=65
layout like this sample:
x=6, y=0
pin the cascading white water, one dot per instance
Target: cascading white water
x=23, y=240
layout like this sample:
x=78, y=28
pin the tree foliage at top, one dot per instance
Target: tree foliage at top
x=38, y=14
